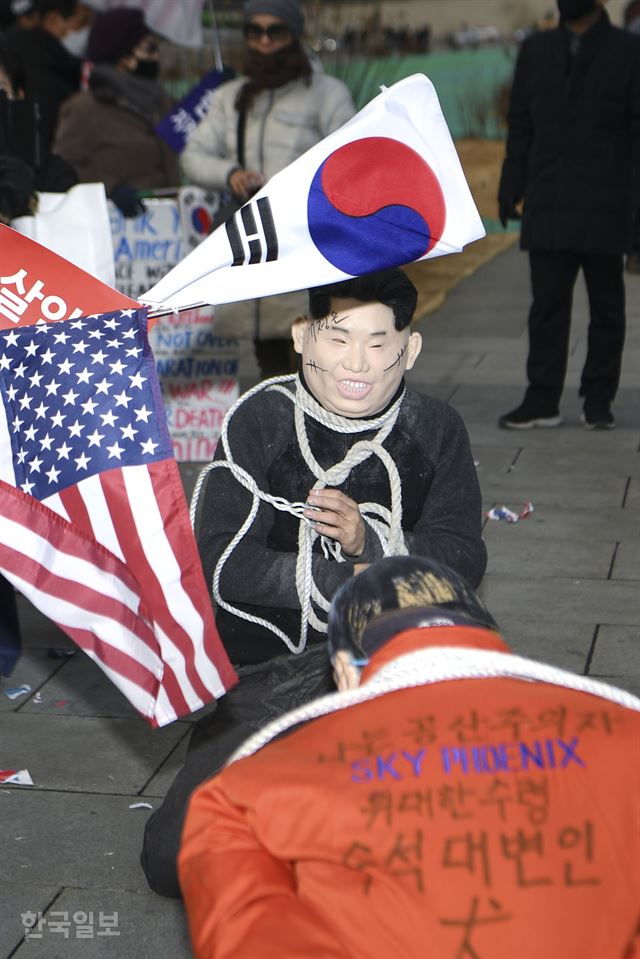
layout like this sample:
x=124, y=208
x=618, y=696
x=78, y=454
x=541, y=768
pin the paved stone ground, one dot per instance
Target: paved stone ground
x=563, y=584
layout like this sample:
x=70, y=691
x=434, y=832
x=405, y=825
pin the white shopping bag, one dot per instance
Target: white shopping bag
x=74, y=225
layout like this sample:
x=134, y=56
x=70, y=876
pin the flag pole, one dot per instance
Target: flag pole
x=217, y=52
x=156, y=314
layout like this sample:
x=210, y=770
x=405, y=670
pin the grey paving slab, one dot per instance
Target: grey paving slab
x=71, y=839
x=441, y=391
x=616, y=652
x=33, y=669
x=491, y=458
x=418, y=380
x=140, y=926
x=570, y=436
x=158, y=785
x=557, y=600
x=566, y=645
x=505, y=367
x=513, y=552
x=441, y=366
x=627, y=561
x=604, y=525
x=489, y=321
x=629, y=683
x=630, y=360
x=85, y=691
x=445, y=342
x=16, y=899
x=633, y=495
x=555, y=489
x=83, y=754
x=620, y=462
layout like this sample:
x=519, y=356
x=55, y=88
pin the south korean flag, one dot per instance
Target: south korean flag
x=252, y=234
x=384, y=190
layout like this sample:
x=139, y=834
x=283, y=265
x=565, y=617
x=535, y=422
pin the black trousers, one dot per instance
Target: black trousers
x=553, y=277
x=265, y=691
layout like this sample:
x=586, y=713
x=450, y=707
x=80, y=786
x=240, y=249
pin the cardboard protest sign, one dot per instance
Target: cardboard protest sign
x=199, y=379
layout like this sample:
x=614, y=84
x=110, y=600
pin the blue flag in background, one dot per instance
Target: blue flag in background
x=176, y=128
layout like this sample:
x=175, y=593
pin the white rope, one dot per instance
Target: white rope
x=385, y=523
x=435, y=665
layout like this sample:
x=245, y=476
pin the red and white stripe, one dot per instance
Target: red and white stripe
x=126, y=584
x=84, y=589
x=152, y=540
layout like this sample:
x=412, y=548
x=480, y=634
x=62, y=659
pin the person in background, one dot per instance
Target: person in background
x=77, y=40
x=257, y=125
x=632, y=16
x=17, y=177
x=15, y=14
x=632, y=24
x=107, y=132
x=50, y=73
x=26, y=166
x=452, y=800
x=573, y=155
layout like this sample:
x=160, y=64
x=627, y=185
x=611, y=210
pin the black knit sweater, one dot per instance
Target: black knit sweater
x=441, y=509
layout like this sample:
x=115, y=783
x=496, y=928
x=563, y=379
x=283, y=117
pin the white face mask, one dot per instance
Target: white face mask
x=354, y=359
x=76, y=41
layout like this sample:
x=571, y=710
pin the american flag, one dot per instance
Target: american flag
x=94, y=526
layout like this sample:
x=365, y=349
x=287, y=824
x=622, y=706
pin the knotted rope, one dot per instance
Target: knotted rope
x=385, y=523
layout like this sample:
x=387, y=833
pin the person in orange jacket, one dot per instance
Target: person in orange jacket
x=453, y=801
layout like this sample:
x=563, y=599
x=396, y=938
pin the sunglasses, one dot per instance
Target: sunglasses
x=149, y=47
x=275, y=31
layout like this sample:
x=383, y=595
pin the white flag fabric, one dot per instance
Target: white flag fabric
x=76, y=226
x=384, y=190
x=178, y=20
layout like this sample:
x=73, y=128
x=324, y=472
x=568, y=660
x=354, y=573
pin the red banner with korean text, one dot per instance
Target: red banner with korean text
x=37, y=284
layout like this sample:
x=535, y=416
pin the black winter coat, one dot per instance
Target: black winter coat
x=441, y=510
x=573, y=143
x=51, y=74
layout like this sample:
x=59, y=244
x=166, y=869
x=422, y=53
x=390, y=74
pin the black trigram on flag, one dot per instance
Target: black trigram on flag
x=249, y=243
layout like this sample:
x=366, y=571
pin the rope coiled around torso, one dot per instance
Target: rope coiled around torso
x=386, y=523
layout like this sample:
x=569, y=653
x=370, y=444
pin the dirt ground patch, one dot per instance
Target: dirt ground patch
x=482, y=162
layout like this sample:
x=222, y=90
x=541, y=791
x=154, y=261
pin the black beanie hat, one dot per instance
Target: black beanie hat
x=387, y=590
x=115, y=34
x=289, y=11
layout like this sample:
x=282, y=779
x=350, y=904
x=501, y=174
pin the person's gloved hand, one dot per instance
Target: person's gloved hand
x=127, y=200
x=507, y=210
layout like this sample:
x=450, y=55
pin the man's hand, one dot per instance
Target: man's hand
x=244, y=183
x=337, y=517
x=507, y=210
